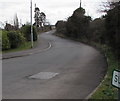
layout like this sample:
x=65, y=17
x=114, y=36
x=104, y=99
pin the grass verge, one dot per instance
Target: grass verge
x=105, y=89
x=25, y=46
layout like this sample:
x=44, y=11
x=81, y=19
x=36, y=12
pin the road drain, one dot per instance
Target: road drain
x=43, y=75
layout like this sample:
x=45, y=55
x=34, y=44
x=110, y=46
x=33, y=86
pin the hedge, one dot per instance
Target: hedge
x=26, y=30
x=5, y=41
x=11, y=39
x=15, y=39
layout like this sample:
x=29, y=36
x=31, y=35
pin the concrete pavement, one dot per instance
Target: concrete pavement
x=42, y=45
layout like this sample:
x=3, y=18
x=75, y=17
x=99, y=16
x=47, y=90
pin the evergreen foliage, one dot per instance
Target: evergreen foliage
x=5, y=41
x=11, y=39
x=26, y=30
x=15, y=39
x=113, y=28
x=104, y=30
x=78, y=24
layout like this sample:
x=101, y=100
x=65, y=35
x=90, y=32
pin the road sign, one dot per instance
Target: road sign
x=116, y=79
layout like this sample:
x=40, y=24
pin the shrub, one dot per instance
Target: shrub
x=97, y=30
x=15, y=39
x=5, y=41
x=34, y=34
x=60, y=26
x=26, y=30
x=112, y=23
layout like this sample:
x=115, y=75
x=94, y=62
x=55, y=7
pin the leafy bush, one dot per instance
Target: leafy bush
x=26, y=30
x=60, y=26
x=97, y=30
x=15, y=39
x=5, y=41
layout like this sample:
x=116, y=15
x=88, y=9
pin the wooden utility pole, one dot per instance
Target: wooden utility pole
x=80, y=3
x=31, y=26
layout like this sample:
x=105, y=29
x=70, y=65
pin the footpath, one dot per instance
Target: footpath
x=42, y=45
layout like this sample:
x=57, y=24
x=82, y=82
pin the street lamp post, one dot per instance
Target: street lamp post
x=31, y=26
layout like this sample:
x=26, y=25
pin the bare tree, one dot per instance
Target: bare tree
x=110, y=4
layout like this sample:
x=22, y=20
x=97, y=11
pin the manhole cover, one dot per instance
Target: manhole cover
x=43, y=75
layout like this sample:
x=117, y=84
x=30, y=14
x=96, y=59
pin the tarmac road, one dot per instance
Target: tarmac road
x=79, y=68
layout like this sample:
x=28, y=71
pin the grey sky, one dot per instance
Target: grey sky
x=54, y=9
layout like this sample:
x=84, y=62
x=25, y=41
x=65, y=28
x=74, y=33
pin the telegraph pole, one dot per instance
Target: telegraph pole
x=31, y=26
x=80, y=3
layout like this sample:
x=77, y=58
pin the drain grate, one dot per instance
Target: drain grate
x=43, y=75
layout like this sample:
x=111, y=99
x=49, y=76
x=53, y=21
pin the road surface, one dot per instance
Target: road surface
x=79, y=68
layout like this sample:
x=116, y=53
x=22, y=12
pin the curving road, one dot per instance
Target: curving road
x=79, y=68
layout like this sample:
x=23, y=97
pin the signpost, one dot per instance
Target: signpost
x=116, y=81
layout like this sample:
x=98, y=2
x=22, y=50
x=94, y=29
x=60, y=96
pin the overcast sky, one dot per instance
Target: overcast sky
x=54, y=9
